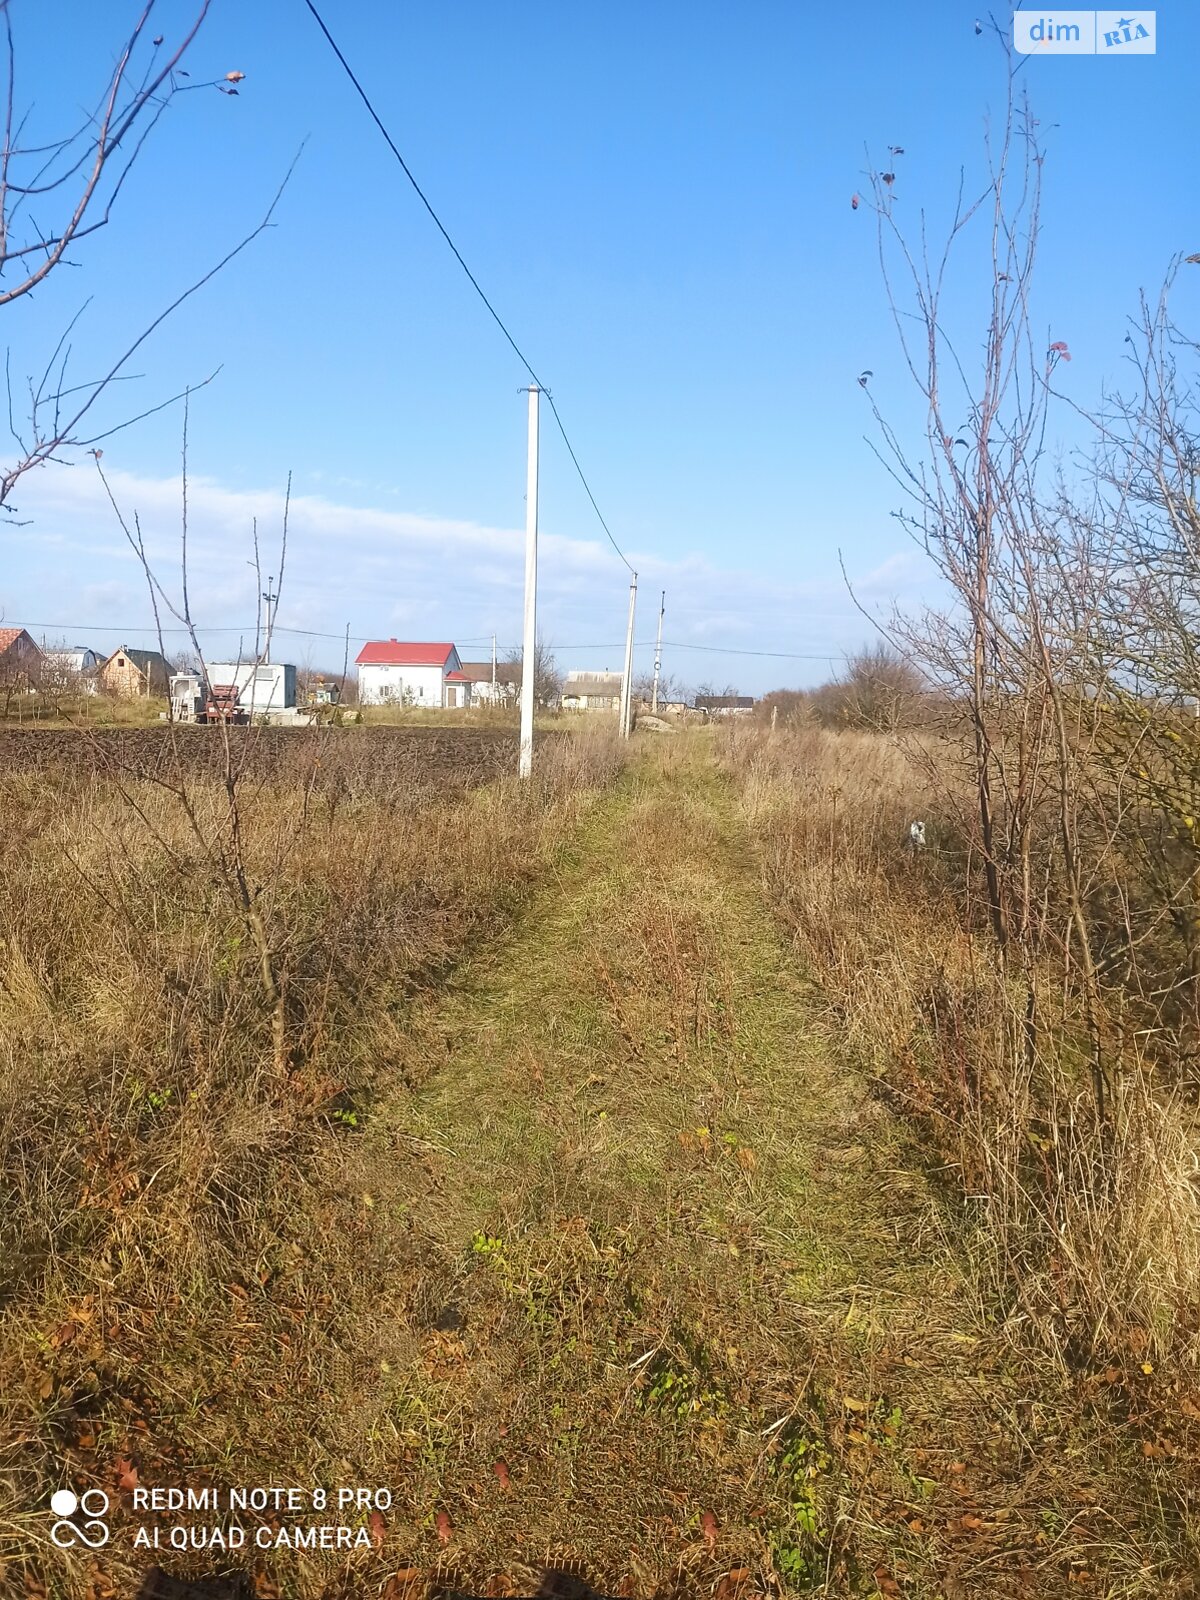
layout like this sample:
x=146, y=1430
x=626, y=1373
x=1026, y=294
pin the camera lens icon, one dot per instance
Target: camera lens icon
x=93, y=1503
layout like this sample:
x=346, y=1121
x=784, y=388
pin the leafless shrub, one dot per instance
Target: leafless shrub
x=56, y=193
x=1086, y=1244
x=1017, y=987
x=878, y=690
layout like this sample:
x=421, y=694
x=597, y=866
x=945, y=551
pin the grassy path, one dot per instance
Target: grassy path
x=669, y=1256
x=607, y=1256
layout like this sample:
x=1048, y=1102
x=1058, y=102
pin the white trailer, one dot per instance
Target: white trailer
x=262, y=687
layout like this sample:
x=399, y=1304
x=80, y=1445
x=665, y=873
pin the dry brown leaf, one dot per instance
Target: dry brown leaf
x=732, y=1581
x=500, y=1468
x=445, y=1528
x=708, y=1527
x=402, y=1585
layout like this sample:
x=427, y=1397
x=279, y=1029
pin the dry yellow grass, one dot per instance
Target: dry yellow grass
x=1091, y=1245
x=187, y=1279
x=564, y=1213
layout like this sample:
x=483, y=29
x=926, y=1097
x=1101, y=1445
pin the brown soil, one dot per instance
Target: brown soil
x=356, y=760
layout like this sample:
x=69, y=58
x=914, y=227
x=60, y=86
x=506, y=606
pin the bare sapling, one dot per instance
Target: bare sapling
x=56, y=192
x=220, y=840
x=1069, y=665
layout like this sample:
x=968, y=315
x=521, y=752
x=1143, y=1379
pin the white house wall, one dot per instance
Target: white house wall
x=386, y=685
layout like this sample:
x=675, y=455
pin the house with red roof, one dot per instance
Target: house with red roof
x=398, y=672
x=20, y=659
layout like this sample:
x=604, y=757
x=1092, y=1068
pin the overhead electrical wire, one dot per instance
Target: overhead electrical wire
x=776, y=655
x=474, y=281
x=780, y=655
x=709, y=649
x=361, y=638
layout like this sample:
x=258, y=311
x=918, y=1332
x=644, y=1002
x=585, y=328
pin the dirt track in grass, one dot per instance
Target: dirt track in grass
x=667, y=1258
x=686, y=1309
x=669, y=1300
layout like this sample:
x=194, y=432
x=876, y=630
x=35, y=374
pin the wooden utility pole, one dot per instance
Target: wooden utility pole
x=529, y=640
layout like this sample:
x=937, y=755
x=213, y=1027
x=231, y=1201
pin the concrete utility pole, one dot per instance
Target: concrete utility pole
x=627, y=681
x=529, y=640
x=493, y=666
x=662, y=606
x=268, y=597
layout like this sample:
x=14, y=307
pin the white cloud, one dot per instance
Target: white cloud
x=389, y=571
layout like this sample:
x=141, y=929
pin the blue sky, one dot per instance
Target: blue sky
x=657, y=198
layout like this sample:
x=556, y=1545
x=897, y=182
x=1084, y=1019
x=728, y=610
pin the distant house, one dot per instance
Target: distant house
x=75, y=667
x=399, y=672
x=20, y=660
x=132, y=674
x=592, y=691
x=725, y=705
x=503, y=691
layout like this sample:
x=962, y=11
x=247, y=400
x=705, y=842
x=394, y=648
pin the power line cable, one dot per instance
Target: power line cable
x=775, y=655
x=709, y=649
x=474, y=281
x=121, y=628
x=276, y=627
x=362, y=638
